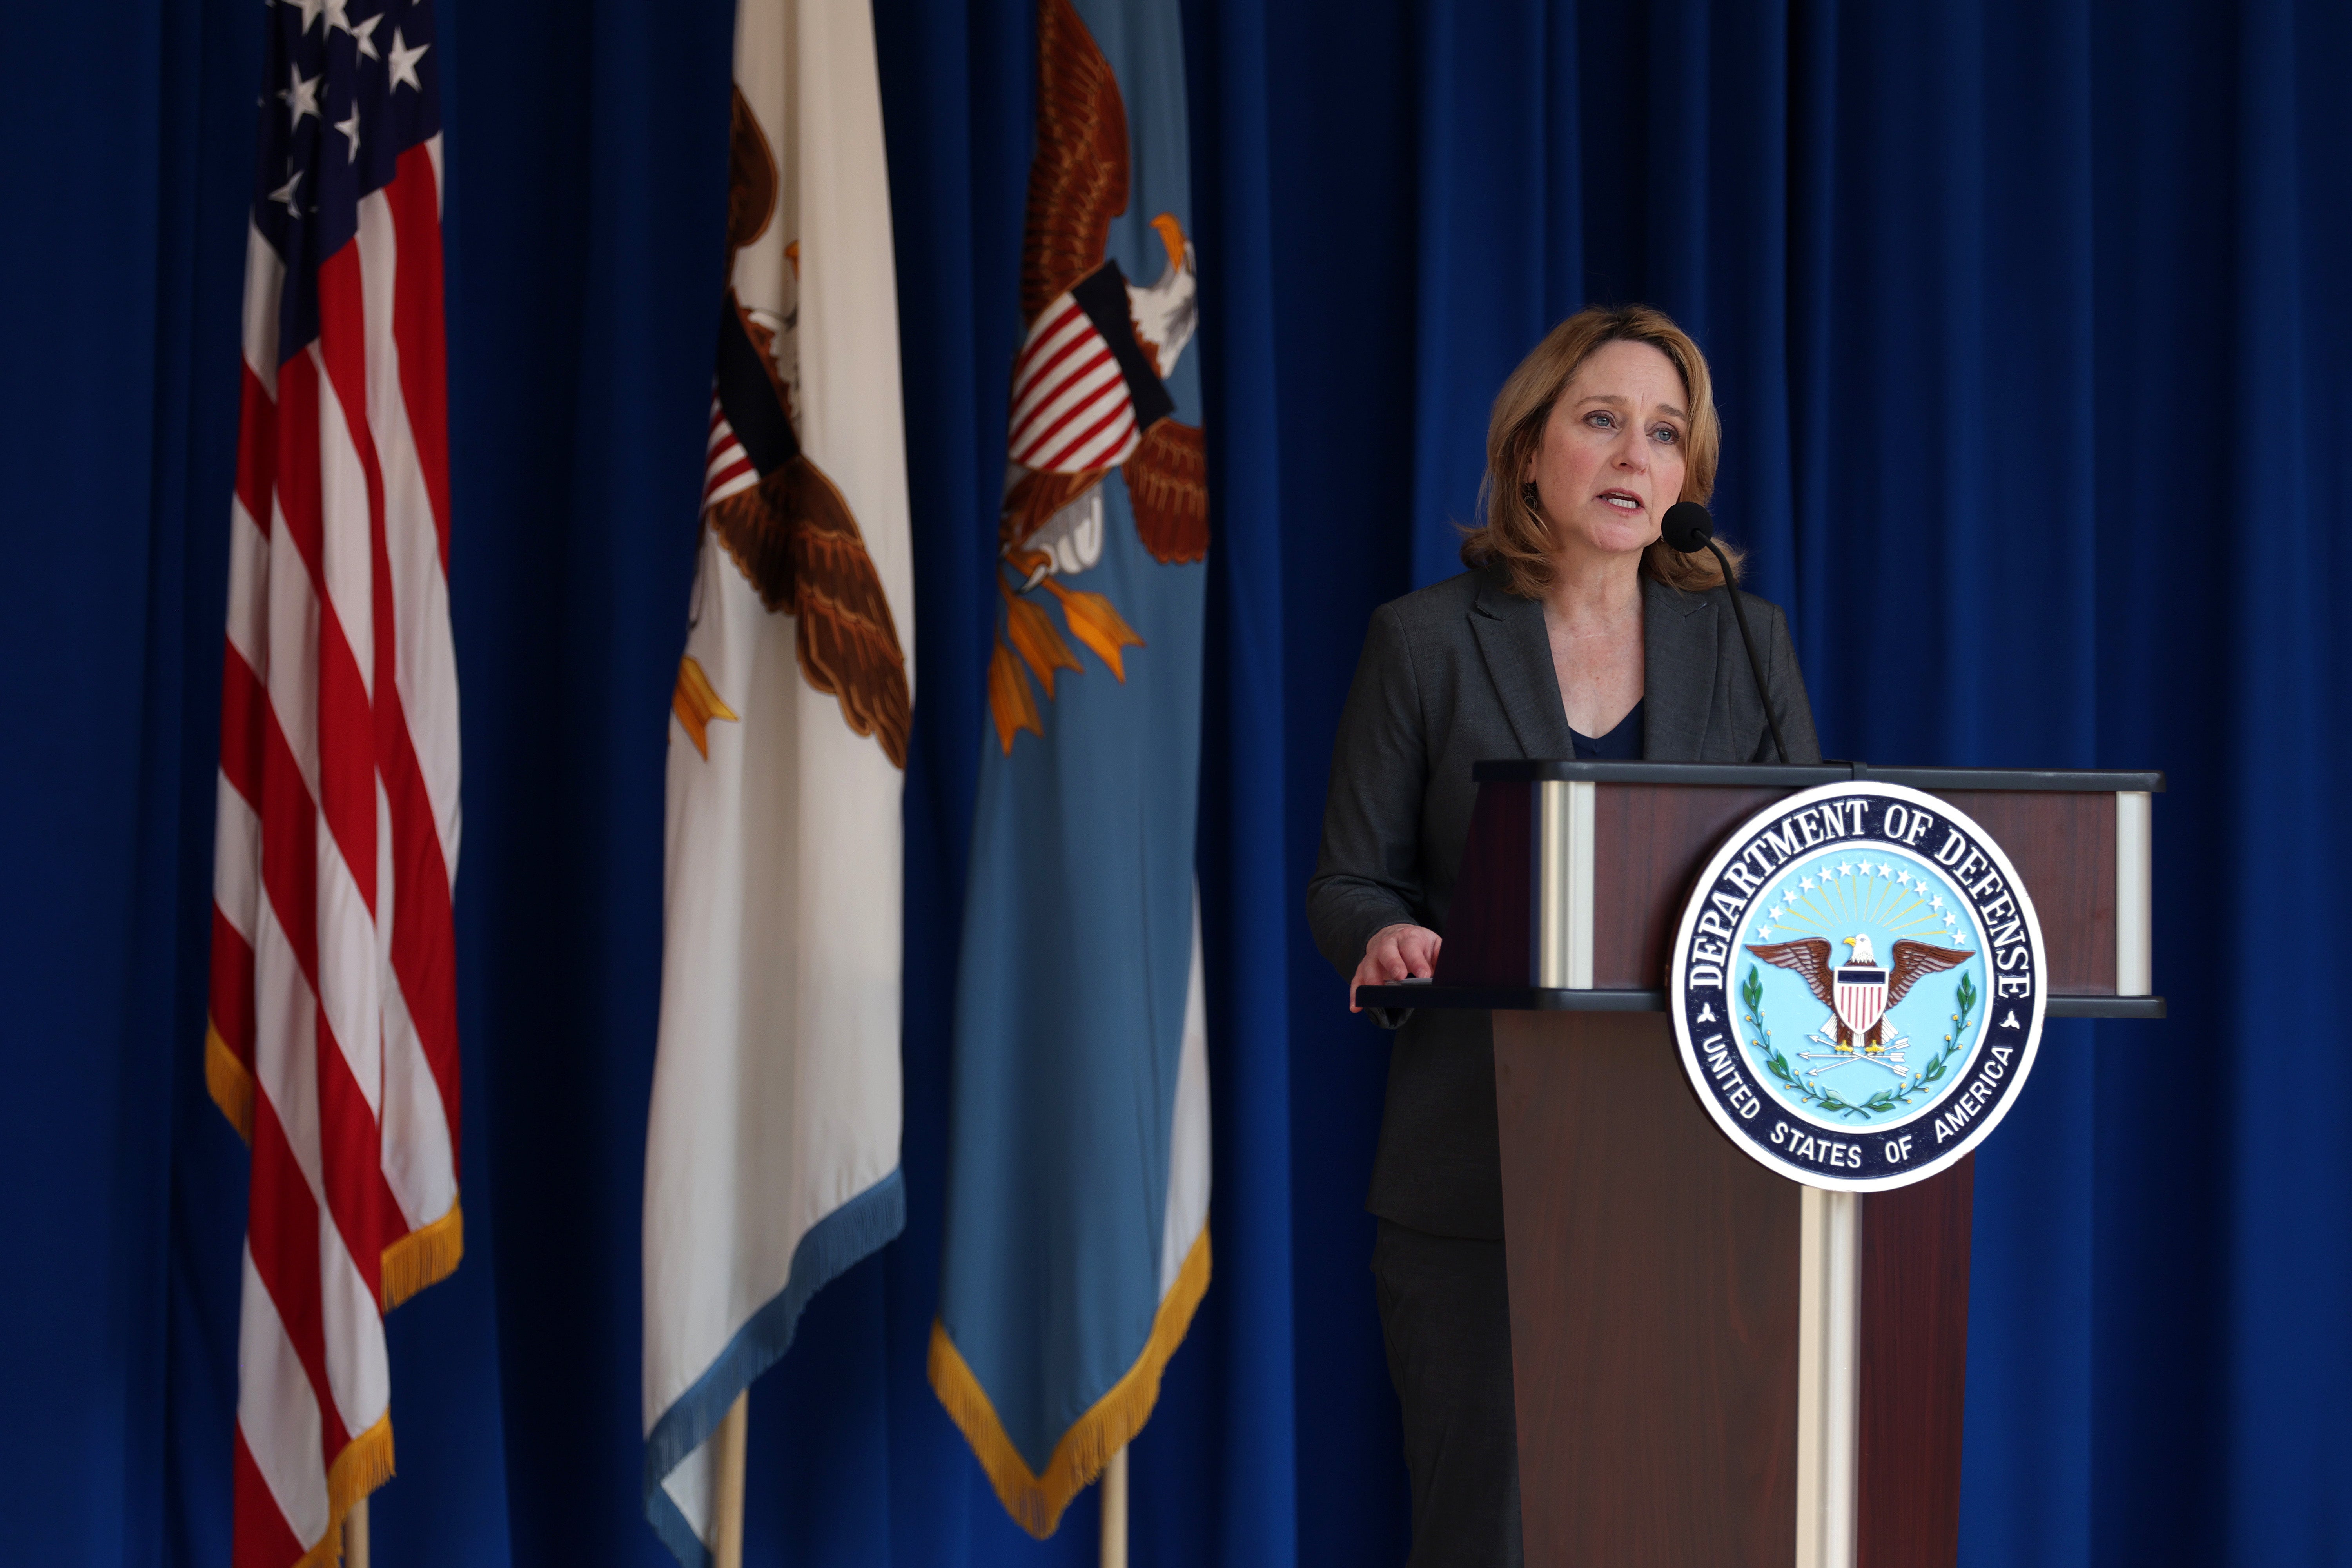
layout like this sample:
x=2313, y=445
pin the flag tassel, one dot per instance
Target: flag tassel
x=365, y=1464
x=1036, y=1502
x=230, y=1084
x=425, y=1256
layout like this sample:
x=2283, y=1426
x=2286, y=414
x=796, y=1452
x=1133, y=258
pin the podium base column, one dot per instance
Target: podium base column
x=1828, y=1375
x=1711, y=1363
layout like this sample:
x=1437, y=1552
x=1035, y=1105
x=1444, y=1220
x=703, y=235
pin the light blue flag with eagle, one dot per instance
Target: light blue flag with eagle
x=1077, y=1242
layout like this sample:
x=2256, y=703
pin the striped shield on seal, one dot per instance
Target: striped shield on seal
x=1860, y=991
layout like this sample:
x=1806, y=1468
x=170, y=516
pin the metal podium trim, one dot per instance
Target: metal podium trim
x=1418, y=994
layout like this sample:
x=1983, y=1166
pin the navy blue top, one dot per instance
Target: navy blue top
x=1622, y=744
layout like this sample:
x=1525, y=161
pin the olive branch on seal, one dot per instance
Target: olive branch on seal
x=1751, y=1000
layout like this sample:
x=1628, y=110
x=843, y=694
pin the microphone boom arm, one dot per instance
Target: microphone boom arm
x=1754, y=664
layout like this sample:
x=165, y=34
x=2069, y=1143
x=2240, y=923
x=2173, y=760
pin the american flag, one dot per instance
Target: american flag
x=333, y=1043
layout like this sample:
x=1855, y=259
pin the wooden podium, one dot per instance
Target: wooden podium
x=1713, y=1364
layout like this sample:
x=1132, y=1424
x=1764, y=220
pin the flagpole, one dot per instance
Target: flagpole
x=355, y=1535
x=727, y=1450
x=1114, y=1512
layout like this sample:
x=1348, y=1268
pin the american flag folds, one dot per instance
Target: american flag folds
x=333, y=1043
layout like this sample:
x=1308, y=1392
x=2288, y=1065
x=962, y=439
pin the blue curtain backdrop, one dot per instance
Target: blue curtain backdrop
x=2031, y=340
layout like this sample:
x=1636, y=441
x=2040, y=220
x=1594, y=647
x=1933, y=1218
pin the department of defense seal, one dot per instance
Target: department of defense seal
x=1858, y=986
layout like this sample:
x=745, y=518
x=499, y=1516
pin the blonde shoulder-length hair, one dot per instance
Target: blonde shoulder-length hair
x=1515, y=539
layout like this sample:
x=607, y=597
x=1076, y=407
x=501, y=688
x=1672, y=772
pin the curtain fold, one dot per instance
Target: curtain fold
x=2031, y=354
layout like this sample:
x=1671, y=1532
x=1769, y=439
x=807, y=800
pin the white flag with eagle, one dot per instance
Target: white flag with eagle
x=771, y=1159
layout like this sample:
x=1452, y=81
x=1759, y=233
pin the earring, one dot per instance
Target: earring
x=1531, y=496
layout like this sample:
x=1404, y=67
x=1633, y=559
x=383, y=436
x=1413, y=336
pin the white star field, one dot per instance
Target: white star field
x=1837, y=898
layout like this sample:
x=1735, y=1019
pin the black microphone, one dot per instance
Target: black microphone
x=1689, y=528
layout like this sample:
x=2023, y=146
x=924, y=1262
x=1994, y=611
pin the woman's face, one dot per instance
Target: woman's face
x=1612, y=460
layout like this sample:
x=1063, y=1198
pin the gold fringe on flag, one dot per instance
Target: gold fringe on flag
x=365, y=1464
x=231, y=1085
x=1037, y=1501
x=425, y=1256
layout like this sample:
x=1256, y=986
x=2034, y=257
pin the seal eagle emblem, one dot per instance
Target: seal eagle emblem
x=1858, y=993
x=1858, y=986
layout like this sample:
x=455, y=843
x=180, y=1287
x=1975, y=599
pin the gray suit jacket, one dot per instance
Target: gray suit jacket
x=1453, y=675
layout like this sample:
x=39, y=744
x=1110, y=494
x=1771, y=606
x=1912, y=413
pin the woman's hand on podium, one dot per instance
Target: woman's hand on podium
x=1396, y=952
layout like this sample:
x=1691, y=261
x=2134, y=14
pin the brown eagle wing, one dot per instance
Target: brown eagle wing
x=1912, y=959
x=1809, y=958
x=1168, y=480
x=792, y=536
x=1078, y=181
x=750, y=179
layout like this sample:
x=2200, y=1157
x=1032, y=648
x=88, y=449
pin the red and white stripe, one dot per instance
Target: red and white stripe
x=726, y=467
x=1071, y=411
x=1861, y=1005
x=333, y=1040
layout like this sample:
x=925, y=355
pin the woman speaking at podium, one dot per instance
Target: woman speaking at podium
x=1577, y=631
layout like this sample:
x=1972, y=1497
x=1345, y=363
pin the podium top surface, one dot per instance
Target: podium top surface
x=1805, y=775
x=1528, y=910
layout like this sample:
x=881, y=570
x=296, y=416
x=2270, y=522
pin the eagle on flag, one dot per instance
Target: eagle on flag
x=782, y=522
x=1089, y=384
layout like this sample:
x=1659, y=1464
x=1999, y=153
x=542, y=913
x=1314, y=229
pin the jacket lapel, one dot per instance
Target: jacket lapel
x=1678, y=638
x=1510, y=632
